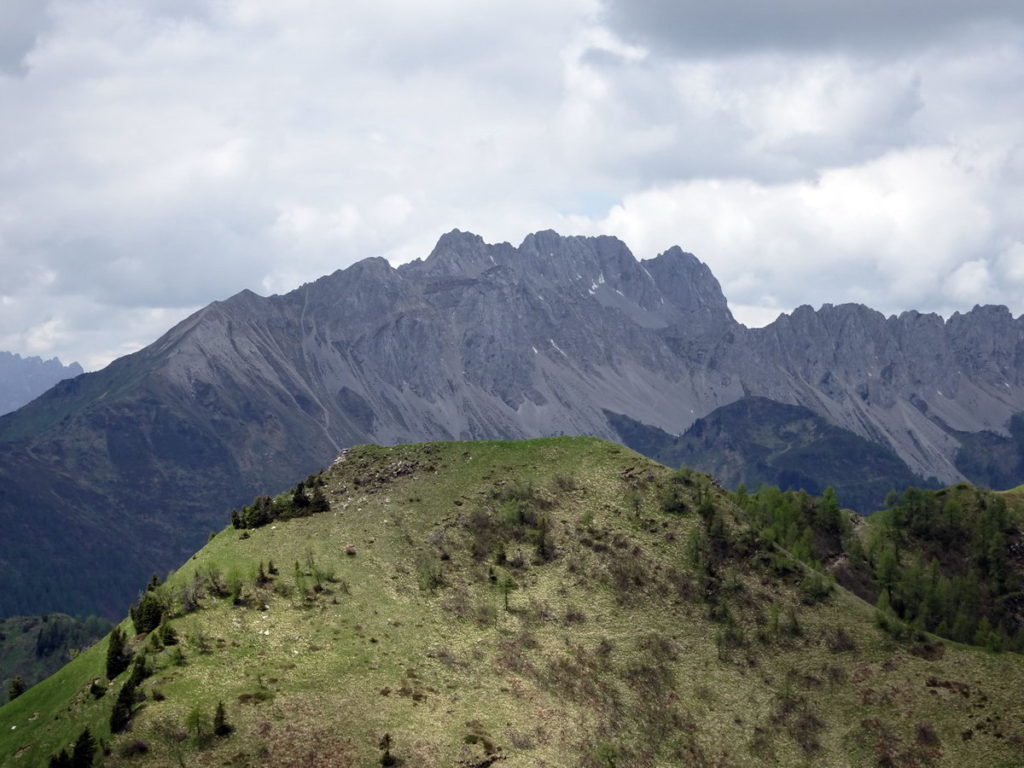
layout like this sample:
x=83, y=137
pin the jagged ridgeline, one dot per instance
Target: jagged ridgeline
x=563, y=602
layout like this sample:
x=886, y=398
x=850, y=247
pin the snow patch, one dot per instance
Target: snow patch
x=557, y=348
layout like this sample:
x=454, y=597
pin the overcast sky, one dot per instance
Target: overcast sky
x=161, y=154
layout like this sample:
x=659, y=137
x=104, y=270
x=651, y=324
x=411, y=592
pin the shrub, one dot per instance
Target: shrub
x=167, y=634
x=133, y=748
x=673, y=499
x=428, y=572
x=841, y=641
x=815, y=588
x=16, y=688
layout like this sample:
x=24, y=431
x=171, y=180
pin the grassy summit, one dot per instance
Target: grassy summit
x=558, y=602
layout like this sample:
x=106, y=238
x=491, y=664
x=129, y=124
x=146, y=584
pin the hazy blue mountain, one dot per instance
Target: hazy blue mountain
x=23, y=379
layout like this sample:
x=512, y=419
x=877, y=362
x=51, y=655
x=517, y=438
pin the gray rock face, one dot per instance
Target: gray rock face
x=23, y=379
x=907, y=382
x=477, y=340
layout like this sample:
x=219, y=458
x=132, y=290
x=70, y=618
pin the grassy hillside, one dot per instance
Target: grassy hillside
x=558, y=602
x=34, y=647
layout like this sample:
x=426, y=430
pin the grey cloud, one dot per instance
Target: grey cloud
x=698, y=28
x=21, y=24
x=167, y=153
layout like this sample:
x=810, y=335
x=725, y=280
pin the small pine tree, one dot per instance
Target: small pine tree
x=124, y=708
x=386, y=757
x=197, y=722
x=84, y=750
x=118, y=656
x=61, y=760
x=543, y=542
x=221, y=726
x=506, y=586
x=146, y=616
x=299, y=499
x=16, y=688
x=319, y=502
x=140, y=671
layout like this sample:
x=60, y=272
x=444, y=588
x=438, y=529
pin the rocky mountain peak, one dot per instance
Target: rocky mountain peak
x=690, y=286
x=460, y=254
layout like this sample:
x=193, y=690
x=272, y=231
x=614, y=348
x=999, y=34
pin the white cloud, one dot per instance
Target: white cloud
x=970, y=282
x=167, y=154
x=890, y=233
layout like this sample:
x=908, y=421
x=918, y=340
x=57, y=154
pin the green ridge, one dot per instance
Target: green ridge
x=647, y=624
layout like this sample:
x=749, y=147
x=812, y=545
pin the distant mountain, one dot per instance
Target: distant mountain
x=755, y=441
x=23, y=379
x=114, y=474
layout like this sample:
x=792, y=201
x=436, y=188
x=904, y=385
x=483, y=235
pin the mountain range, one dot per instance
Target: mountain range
x=114, y=474
x=24, y=378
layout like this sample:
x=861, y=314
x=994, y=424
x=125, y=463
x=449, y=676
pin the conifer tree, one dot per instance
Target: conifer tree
x=146, y=616
x=299, y=498
x=197, y=722
x=124, y=707
x=84, y=750
x=221, y=726
x=61, y=760
x=319, y=502
x=118, y=656
x=386, y=757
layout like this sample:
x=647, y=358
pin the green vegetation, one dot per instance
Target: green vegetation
x=306, y=498
x=948, y=562
x=34, y=647
x=562, y=602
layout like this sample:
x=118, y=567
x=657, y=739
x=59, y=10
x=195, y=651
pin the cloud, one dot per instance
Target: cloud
x=167, y=154
x=892, y=234
x=22, y=22
x=692, y=28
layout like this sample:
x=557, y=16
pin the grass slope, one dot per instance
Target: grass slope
x=34, y=647
x=633, y=637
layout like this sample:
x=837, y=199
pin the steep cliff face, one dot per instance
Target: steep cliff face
x=910, y=382
x=127, y=469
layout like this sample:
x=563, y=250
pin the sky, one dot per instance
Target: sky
x=157, y=155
